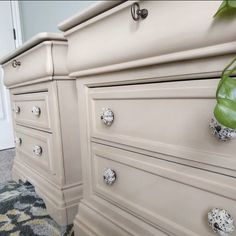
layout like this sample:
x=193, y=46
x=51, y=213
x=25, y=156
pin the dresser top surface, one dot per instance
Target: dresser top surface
x=90, y=12
x=37, y=39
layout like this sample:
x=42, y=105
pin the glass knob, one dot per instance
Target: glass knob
x=109, y=176
x=37, y=150
x=36, y=110
x=107, y=116
x=221, y=222
x=221, y=132
x=17, y=109
x=18, y=141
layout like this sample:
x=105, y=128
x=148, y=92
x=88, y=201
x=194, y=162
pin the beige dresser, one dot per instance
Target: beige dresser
x=146, y=78
x=44, y=103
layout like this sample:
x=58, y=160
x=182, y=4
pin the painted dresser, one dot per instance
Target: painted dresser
x=45, y=117
x=147, y=74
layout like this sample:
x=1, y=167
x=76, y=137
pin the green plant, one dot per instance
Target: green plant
x=226, y=5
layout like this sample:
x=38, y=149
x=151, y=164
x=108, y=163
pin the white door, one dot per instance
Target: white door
x=7, y=44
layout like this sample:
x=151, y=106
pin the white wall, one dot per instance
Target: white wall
x=41, y=16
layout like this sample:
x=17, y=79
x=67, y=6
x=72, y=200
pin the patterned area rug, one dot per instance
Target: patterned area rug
x=23, y=213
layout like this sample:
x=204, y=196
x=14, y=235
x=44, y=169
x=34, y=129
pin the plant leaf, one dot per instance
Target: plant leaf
x=224, y=5
x=232, y=3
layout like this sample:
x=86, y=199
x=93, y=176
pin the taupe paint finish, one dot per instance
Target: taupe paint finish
x=159, y=143
x=42, y=81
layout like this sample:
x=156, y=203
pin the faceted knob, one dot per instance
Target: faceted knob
x=220, y=221
x=36, y=111
x=17, y=109
x=221, y=132
x=109, y=176
x=107, y=116
x=18, y=141
x=37, y=150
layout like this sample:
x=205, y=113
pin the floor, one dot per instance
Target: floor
x=6, y=162
x=22, y=211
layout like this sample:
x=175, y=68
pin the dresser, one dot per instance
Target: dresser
x=45, y=118
x=146, y=74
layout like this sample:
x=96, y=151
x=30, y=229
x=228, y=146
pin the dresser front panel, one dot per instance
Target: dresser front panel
x=33, y=110
x=120, y=40
x=169, y=118
x=31, y=139
x=35, y=63
x=168, y=195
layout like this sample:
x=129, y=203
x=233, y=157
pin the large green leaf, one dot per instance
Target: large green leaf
x=225, y=110
x=225, y=6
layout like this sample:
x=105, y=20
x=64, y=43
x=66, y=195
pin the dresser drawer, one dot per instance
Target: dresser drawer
x=174, y=197
x=163, y=118
x=35, y=148
x=39, y=63
x=32, y=110
x=158, y=34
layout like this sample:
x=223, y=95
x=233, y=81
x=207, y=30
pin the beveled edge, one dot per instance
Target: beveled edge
x=38, y=38
x=88, y=13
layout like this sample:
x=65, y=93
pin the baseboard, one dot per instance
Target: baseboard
x=96, y=220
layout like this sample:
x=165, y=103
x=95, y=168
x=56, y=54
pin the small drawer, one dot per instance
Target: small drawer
x=38, y=63
x=174, y=197
x=35, y=148
x=32, y=110
x=170, y=118
x=33, y=64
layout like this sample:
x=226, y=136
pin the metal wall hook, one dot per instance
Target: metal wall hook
x=138, y=13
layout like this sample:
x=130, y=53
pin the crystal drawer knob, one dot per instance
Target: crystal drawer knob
x=221, y=132
x=17, y=109
x=221, y=222
x=109, y=176
x=107, y=116
x=37, y=150
x=18, y=141
x=36, y=111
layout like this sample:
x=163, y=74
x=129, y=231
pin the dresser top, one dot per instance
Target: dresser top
x=88, y=13
x=37, y=39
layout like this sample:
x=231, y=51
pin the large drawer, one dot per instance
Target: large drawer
x=170, y=27
x=169, y=119
x=171, y=196
x=32, y=109
x=35, y=148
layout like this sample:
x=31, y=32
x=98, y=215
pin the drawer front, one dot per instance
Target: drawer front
x=171, y=26
x=35, y=63
x=163, y=118
x=32, y=110
x=174, y=197
x=35, y=148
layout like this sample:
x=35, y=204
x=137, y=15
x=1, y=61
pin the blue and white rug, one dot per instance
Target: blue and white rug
x=23, y=213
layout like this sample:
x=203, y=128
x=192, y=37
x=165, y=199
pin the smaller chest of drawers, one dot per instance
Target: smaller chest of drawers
x=45, y=117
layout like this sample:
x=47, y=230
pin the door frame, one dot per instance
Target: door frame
x=16, y=19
